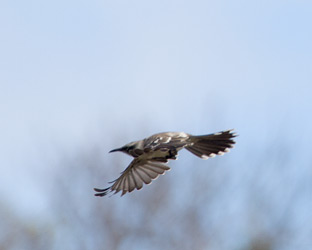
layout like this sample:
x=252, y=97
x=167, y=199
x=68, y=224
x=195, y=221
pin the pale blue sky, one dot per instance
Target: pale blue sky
x=70, y=70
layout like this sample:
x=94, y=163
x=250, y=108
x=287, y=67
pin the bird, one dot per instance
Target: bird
x=152, y=153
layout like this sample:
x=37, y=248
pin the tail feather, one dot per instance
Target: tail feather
x=212, y=147
x=206, y=146
x=195, y=151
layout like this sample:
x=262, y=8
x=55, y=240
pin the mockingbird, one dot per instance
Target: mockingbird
x=151, y=155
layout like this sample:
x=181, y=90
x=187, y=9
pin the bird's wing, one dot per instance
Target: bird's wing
x=138, y=172
x=171, y=140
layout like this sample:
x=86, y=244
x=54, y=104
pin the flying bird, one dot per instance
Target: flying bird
x=152, y=153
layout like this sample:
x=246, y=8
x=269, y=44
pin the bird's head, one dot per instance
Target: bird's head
x=126, y=148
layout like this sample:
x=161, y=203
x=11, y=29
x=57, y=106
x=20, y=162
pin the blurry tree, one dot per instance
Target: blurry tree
x=20, y=233
x=221, y=203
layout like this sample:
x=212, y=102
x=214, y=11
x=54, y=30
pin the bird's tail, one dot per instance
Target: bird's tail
x=205, y=146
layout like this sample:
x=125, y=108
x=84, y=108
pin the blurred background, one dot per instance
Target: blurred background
x=79, y=78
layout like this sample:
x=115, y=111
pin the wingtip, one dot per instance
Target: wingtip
x=101, y=192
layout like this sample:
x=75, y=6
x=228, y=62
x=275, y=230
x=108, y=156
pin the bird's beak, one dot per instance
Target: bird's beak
x=115, y=150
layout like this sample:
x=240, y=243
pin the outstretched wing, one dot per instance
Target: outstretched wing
x=138, y=172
